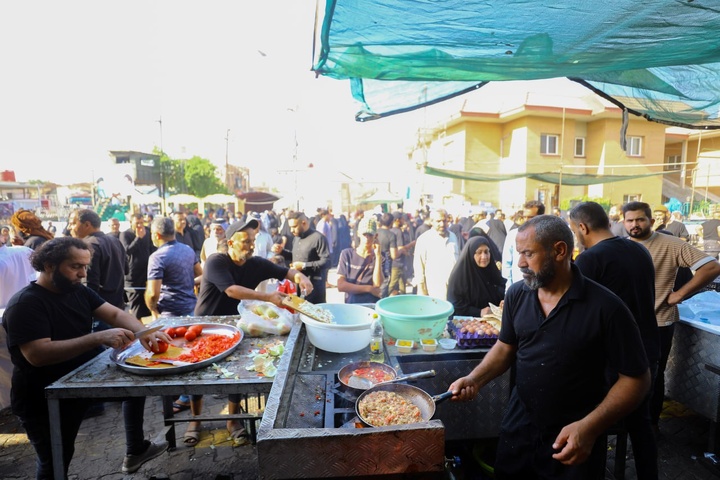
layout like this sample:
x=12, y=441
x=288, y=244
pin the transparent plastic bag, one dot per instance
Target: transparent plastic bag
x=258, y=319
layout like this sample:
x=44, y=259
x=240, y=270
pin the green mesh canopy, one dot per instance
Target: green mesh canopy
x=659, y=59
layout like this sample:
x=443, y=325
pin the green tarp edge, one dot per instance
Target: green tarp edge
x=547, y=177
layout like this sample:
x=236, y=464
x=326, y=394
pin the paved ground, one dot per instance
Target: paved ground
x=100, y=447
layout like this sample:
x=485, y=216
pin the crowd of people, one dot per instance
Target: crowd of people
x=585, y=356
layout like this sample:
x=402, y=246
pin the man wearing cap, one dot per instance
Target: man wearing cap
x=664, y=221
x=228, y=278
x=359, y=271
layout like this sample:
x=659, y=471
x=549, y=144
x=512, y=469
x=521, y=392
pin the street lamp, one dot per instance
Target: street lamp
x=295, y=155
x=227, y=165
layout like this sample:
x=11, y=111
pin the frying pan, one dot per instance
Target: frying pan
x=346, y=372
x=420, y=398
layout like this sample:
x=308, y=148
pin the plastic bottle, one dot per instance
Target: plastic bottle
x=377, y=350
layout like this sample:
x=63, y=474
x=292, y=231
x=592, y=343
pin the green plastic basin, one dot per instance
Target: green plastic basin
x=414, y=317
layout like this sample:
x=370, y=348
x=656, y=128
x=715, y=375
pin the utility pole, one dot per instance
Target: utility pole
x=227, y=164
x=162, y=175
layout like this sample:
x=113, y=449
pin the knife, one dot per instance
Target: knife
x=147, y=331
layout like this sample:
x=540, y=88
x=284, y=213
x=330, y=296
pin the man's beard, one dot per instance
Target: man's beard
x=62, y=283
x=638, y=232
x=540, y=279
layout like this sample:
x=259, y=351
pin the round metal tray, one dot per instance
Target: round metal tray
x=135, y=348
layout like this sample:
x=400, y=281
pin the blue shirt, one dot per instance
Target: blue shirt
x=174, y=263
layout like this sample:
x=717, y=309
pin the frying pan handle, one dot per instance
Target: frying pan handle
x=443, y=396
x=414, y=376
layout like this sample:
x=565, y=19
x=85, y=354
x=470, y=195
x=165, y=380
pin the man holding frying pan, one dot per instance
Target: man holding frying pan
x=563, y=333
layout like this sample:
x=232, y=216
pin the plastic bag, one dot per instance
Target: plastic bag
x=258, y=319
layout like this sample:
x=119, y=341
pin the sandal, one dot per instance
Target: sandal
x=180, y=407
x=237, y=433
x=192, y=434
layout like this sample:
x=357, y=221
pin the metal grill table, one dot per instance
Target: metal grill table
x=309, y=429
x=100, y=378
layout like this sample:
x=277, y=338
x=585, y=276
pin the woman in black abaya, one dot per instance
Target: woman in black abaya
x=475, y=281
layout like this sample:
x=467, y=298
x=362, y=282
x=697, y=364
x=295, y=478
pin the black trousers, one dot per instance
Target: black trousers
x=658, y=392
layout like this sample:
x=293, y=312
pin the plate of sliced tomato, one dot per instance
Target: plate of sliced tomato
x=194, y=346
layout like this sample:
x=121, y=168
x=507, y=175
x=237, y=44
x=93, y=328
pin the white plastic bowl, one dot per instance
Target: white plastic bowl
x=350, y=331
x=447, y=343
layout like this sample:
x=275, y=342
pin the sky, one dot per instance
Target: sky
x=81, y=78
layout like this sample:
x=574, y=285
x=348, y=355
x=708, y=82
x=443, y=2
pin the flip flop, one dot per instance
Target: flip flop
x=180, y=407
x=192, y=435
x=238, y=434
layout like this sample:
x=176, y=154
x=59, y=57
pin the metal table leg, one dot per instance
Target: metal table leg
x=56, y=438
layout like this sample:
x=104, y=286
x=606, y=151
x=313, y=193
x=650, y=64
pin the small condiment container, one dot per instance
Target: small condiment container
x=429, y=344
x=405, y=346
x=448, y=343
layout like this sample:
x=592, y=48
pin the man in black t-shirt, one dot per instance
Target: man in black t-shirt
x=562, y=332
x=626, y=269
x=49, y=334
x=138, y=247
x=227, y=279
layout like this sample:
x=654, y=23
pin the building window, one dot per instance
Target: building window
x=122, y=160
x=147, y=162
x=579, y=146
x=548, y=144
x=637, y=197
x=634, y=146
x=672, y=163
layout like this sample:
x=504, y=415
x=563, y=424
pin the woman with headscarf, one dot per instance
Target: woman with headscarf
x=30, y=228
x=475, y=281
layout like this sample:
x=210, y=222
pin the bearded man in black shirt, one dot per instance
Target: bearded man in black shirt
x=563, y=333
x=310, y=255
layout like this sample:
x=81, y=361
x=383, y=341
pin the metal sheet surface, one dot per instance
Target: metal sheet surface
x=686, y=378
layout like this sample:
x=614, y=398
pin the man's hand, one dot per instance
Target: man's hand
x=148, y=341
x=464, y=389
x=115, y=337
x=306, y=286
x=275, y=298
x=140, y=231
x=299, y=266
x=375, y=291
x=574, y=443
x=674, y=298
x=276, y=248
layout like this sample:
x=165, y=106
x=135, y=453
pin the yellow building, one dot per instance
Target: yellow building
x=566, y=131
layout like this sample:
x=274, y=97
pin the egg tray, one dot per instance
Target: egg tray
x=470, y=340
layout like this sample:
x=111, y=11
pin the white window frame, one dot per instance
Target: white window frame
x=673, y=163
x=632, y=197
x=581, y=141
x=545, y=144
x=634, y=146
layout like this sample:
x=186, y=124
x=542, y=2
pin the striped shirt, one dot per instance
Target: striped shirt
x=669, y=253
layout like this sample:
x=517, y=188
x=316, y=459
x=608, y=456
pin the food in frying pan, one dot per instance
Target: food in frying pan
x=384, y=408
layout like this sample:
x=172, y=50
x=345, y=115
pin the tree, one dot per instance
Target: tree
x=201, y=177
x=172, y=173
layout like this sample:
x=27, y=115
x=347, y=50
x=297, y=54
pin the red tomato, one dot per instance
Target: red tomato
x=196, y=328
x=190, y=335
x=181, y=331
x=159, y=347
x=171, y=332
